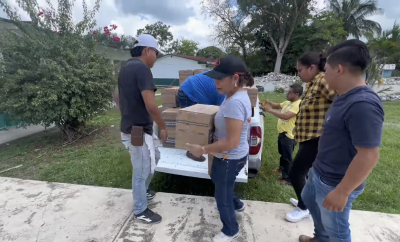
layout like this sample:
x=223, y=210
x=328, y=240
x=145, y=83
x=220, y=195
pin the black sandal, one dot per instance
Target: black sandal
x=198, y=159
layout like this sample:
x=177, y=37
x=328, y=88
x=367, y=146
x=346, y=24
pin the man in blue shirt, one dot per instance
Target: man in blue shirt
x=199, y=89
x=349, y=145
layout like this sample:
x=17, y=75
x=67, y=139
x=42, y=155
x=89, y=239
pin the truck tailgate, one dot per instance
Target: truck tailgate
x=175, y=161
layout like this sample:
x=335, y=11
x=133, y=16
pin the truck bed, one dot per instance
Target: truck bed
x=175, y=161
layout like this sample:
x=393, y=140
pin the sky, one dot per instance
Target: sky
x=184, y=16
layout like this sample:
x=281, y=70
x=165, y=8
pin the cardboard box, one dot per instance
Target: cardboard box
x=169, y=97
x=169, y=116
x=253, y=94
x=170, y=143
x=198, y=71
x=184, y=74
x=195, y=124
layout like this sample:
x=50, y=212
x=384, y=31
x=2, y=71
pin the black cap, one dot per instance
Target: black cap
x=227, y=66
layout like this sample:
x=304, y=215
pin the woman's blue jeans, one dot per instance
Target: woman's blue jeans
x=223, y=175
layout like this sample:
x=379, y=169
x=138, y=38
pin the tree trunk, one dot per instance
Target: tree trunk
x=71, y=129
x=278, y=62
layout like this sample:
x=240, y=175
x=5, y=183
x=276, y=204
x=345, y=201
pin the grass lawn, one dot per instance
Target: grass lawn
x=101, y=160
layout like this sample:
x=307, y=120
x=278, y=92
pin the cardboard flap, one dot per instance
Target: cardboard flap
x=199, y=114
x=170, y=114
x=169, y=95
x=198, y=71
x=186, y=72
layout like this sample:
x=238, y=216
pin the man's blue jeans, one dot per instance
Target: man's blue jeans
x=328, y=226
x=223, y=175
x=141, y=172
x=184, y=100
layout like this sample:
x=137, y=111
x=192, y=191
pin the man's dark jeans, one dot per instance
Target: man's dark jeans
x=184, y=100
x=285, y=148
x=223, y=175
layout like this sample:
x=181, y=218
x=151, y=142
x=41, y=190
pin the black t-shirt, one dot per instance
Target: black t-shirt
x=134, y=78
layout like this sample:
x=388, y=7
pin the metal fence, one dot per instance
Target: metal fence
x=6, y=122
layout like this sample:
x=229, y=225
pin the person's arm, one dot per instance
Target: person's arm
x=292, y=112
x=234, y=115
x=326, y=92
x=283, y=116
x=364, y=122
x=146, y=86
x=275, y=105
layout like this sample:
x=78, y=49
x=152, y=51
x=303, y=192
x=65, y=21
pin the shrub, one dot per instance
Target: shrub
x=279, y=90
x=50, y=71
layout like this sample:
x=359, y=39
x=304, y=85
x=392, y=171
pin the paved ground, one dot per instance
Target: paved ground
x=46, y=212
x=13, y=133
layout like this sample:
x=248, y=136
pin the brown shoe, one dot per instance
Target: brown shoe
x=305, y=238
x=199, y=159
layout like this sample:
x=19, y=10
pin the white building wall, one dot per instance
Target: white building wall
x=168, y=67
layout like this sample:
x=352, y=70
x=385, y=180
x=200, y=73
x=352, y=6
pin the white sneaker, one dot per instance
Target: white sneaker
x=297, y=215
x=240, y=209
x=221, y=237
x=294, y=202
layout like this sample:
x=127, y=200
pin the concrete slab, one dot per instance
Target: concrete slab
x=190, y=218
x=46, y=212
x=43, y=212
x=16, y=133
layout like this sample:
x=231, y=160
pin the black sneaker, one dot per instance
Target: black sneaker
x=149, y=217
x=150, y=195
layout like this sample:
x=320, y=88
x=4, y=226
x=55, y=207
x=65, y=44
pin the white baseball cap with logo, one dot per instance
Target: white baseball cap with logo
x=147, y=40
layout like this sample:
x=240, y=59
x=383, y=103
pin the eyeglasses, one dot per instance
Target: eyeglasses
x=157, y=52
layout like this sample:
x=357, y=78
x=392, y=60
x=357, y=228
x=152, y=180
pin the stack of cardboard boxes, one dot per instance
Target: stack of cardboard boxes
x=184, y=74
x=169, y=97
x=195, y=124
x=169, y=117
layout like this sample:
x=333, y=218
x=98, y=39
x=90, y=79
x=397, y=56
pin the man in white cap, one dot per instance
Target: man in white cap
x=138, y=109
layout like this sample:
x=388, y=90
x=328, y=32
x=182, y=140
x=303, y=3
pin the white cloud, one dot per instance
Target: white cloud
x=184, y=16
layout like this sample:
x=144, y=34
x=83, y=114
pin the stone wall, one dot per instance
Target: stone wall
x=272, y=81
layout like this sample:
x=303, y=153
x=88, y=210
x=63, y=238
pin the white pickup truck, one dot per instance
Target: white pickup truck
x=175, y=161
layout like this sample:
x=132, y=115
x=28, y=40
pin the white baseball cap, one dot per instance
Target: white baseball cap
x=148, y=41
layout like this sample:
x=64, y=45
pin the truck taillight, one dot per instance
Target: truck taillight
x=255, y=140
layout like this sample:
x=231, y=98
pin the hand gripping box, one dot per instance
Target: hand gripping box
x=169, y=117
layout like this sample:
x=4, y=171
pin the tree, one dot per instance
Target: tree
x=51, y=72
x=276, y=20
x=211, y=52
x=354, y=14
x=106, y=37
x=325, y=31
x=317, y=33
x=183, y=46
x=385, y=49
x=231, y=28
x=160, y=31
x=234, y=50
